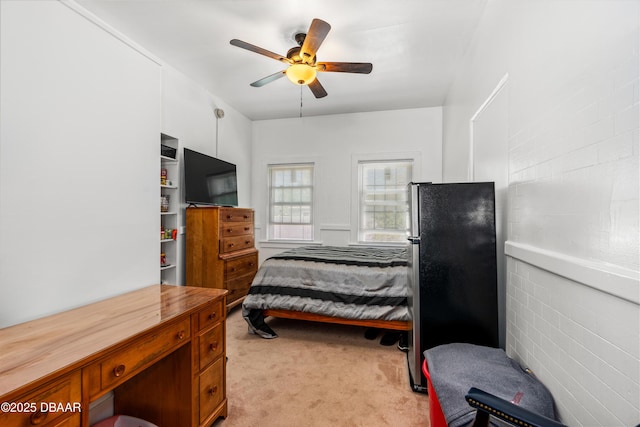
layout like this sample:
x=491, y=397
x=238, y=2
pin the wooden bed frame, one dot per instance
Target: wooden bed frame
x=397, y=325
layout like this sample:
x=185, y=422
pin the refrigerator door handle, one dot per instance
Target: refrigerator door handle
x=414, y=201
x=414, y=240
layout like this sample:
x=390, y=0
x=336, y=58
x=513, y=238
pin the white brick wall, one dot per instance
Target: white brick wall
x=575, y=168
x=582, y=343
x=574, y=190
x=573, y=266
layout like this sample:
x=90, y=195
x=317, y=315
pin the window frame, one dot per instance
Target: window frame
x=270, y=203
x=356, y=205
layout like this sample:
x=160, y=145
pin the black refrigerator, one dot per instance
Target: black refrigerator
x=453, y=274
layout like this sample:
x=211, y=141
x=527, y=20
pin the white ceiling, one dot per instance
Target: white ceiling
x=415, y=46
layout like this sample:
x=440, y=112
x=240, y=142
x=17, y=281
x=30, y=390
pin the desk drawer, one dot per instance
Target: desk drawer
x=240, y=266
x=74, y=421
x=35, y=409
x=211, y=315
x=122, y=365
x=211, y=389
x=211, y=345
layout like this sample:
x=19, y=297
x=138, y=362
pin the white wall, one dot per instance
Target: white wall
x=331, y=142
x=573, y=291
x=79, y=122
x=188, y=114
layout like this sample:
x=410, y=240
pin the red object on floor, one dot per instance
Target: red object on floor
x=436, y=416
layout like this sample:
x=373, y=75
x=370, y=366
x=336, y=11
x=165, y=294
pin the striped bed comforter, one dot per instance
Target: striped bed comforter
x=362, y=283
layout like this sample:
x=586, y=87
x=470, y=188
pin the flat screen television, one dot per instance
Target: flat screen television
x=209, y=181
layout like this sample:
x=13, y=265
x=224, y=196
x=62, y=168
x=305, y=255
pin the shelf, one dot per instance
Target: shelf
x=170, y=209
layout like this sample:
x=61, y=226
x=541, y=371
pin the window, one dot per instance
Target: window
x=383, y=202
x=291, y=202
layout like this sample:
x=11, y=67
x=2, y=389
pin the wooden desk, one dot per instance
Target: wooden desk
x=160, y=349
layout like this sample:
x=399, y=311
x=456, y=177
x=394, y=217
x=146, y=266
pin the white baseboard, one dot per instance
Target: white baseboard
x=101, y=408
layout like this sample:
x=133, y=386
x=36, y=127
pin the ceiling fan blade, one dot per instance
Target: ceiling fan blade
x=314, y=38
x=345, y=67
x=263, y=81
x=317, y=89
x=261, y=51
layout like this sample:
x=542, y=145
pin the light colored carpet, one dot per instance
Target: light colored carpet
x=316, y=374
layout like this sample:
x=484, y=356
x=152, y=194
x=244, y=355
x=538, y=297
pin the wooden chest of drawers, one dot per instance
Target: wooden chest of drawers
x=221, y=250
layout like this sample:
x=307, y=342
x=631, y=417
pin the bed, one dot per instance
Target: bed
x=363, y=286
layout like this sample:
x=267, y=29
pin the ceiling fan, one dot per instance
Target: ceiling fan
x=302, y=60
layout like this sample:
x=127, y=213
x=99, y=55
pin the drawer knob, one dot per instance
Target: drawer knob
x=119, y=370
x=38, y=417
x=246, y=242
x=213, y=316
x=213, y=390
x=181, y=335
x=213, y=346
x=247, y=228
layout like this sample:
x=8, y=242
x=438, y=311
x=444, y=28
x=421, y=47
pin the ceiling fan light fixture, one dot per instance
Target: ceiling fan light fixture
x=301, y=74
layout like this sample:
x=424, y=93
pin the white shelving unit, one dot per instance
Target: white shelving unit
x=169, y=207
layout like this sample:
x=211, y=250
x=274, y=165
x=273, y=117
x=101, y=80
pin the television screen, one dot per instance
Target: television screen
x=209, y=181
